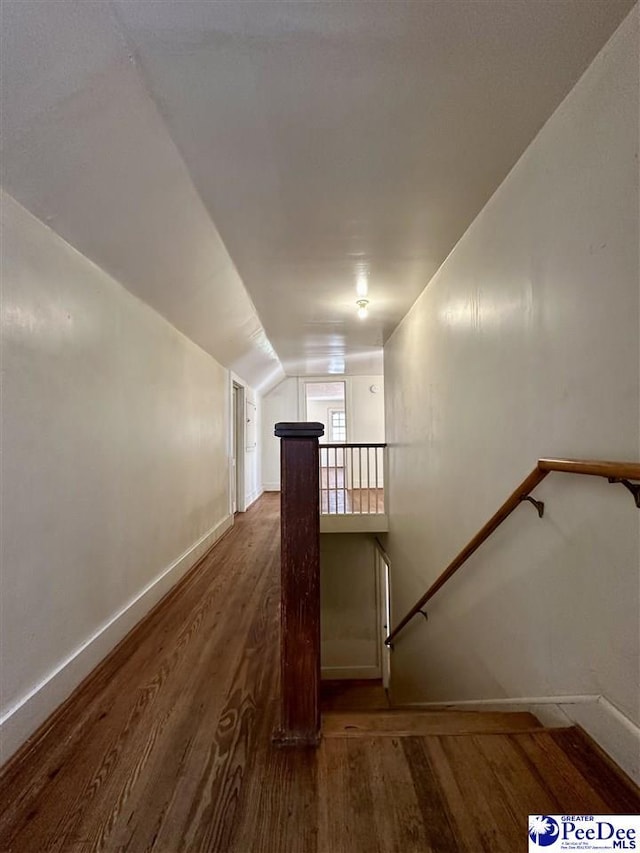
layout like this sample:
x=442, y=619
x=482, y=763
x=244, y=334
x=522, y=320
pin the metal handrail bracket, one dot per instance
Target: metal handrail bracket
x=614, y=472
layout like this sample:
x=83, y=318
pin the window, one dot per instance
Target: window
x=337, y=426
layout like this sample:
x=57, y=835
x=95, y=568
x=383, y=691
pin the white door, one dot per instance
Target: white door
x=234, y=450
x=385, y=618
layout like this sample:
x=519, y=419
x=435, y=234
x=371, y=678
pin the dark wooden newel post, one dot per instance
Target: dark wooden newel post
x=300, y=573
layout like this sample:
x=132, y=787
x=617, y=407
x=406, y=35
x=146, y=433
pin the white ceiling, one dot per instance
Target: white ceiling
x=324, y=390
x=216, y=156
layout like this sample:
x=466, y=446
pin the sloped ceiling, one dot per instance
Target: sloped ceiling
x=87, y=152
x=239, y=164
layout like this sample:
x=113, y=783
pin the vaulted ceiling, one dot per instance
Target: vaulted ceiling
x=238, y=165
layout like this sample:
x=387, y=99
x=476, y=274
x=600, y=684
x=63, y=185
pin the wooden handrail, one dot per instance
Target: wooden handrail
x=343, y=444
x=613, y=471
x=610, y=470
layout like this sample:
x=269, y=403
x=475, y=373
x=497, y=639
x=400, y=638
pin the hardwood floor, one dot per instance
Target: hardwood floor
x=394, y=723
x=345, y=501
x=167, y=748
x=353, y=695
x=337, y=499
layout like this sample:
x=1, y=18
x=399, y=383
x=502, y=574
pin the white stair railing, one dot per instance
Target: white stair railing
x=352, y=479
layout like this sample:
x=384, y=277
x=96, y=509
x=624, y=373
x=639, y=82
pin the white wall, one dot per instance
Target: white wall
x=525, y=344
x=365, y=416
x=318, y=411
x=366, y=425
x=114, y=466
x=366, y=409
x=350, y=610
x=280, y=404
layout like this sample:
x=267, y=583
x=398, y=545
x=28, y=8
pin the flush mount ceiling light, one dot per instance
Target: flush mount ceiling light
x=363, y=308
x=362, y=285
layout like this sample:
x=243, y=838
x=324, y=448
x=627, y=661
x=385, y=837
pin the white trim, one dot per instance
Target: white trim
x=329, y=377
x=521, y=700
x=339, y=672
x=237, y=426
x=348, y=407
x=354, y=523
x=609, y=727
x=383, y=593
x=331, y=428
x=271, y=487
x=25, y=715
x=618, y=736
x=253, y=497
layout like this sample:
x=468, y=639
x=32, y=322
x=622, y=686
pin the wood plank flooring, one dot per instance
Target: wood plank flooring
x=346, y=501
x=167, y=748
x=337, y=499
x=353, y=695
x=395, y=723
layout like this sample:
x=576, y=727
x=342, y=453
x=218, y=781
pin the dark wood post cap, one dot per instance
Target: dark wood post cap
x=299, y=430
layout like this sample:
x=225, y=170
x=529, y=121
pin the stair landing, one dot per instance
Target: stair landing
x=398, y=723
x=451, y=780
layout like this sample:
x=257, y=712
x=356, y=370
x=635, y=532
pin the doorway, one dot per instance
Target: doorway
x=383, y=582
x=325, y=403
x=237, y=431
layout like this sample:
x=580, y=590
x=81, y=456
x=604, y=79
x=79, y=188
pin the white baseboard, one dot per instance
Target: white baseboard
x=333, y=673
x=612, y=730
x=618, y=736
x=252, y=498
x=24, y=716
x=271, y=487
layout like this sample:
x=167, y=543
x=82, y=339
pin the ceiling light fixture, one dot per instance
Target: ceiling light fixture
x=363, y=308
x=362, y=285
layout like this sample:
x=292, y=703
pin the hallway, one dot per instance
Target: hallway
x=167, y=748
x=154, y=753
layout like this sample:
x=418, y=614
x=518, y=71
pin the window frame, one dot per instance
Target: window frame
x=342, y=428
